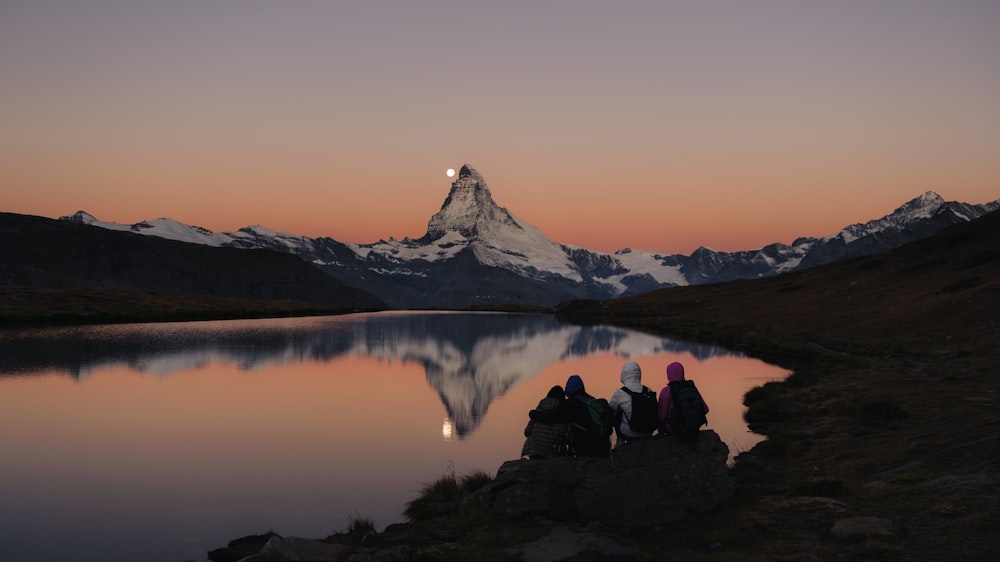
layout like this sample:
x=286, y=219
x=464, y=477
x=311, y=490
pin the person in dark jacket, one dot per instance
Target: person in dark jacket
x=587, y=439
x=546, y=437
x=584, y=438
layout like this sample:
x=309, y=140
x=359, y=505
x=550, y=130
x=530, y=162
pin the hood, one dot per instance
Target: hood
x=553, y=399
x=632, y=376
x=549, y=403
x=675, y=372
x=574, y=385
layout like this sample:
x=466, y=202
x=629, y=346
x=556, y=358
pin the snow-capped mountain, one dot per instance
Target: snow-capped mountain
x=470, y=221
x=476, y=253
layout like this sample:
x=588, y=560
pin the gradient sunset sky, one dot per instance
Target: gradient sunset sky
x=659, y=125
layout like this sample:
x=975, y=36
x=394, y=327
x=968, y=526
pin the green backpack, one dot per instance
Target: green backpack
x=601, y=416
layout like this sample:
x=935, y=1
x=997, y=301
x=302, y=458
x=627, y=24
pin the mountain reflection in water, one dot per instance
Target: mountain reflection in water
x=171, y=439
x=469, y=359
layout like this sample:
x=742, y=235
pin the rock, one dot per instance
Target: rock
x=865, y=526
x=239, y=549
x=296, y=548
x=646, y=483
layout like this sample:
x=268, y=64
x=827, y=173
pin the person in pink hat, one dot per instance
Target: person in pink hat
x=681, y=408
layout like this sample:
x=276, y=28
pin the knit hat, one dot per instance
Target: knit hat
x=675, y=372
x=555, y=392
x=573, y=385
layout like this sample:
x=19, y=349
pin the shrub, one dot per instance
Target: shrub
x=358, y=528
x=443, y=496
x=475, y=480
x=358, y=525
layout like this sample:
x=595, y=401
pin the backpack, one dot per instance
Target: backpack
x=645, y=418
x=688, y=412
x=601, y=416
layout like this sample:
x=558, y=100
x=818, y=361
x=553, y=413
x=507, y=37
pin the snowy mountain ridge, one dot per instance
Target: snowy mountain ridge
x=477, y=253
x=246, y=237
x=921, y=207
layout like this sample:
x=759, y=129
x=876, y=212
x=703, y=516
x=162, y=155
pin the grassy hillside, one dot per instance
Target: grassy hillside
x=940, y=292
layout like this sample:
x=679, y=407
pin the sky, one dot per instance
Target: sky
x=655, y=125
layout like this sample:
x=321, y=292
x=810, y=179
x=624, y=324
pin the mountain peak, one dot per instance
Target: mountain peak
x=469, y=210
x=81, y=217
x=922, y=206
x=468, y=171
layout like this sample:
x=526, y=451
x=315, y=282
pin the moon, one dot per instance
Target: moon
x=450, y=172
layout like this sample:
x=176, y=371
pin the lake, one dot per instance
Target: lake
x=161, y=442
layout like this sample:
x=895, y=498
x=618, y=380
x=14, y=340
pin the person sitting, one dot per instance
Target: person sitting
x=633, y=423
x=546, y=437
x=588, y=433
x=591, y=420
x=681, y=408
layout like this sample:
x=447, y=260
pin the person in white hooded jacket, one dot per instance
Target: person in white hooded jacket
x=621, y=403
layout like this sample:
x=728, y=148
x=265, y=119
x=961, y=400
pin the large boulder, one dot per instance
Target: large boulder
x=645, y=483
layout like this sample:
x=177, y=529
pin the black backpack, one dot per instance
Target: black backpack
x=645, y=418
x=688, y=412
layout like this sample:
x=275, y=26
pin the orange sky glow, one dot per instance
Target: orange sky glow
x=658, y=126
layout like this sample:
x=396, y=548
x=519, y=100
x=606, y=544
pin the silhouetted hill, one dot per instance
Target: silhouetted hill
x=42, y=253
x=945, y=288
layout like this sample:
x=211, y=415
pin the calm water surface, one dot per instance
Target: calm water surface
x=160, y=442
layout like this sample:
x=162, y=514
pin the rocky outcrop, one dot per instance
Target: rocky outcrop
x=284, y=549
x=582, y=505
x=272, y=547
x=645, y=483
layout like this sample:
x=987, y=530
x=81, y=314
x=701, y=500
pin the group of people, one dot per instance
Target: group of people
x=569, y=421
